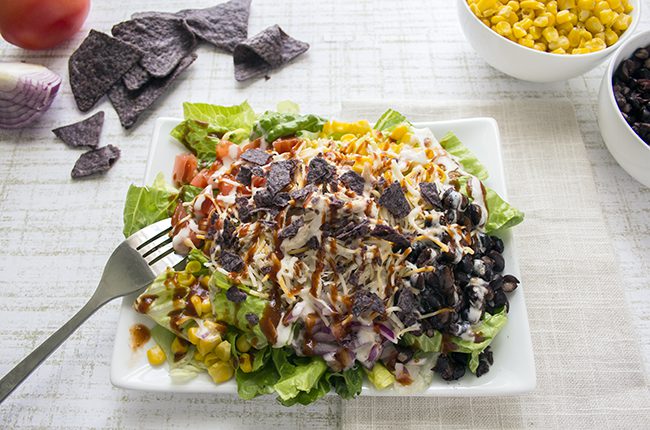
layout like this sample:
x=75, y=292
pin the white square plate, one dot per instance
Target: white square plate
x=513, y=371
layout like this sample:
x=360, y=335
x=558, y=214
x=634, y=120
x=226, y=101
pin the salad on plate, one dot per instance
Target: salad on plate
x=323, y=253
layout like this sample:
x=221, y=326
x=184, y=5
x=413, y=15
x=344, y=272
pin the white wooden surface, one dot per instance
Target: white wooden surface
x=55, y=234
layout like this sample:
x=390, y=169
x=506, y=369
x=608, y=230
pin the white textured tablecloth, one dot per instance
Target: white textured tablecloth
x=55, y=234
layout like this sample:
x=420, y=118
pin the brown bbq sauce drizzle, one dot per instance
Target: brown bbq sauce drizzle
x=140, y=335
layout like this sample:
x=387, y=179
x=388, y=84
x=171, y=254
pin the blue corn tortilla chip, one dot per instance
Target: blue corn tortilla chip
x=98, y=63
x=135, y=78
x=164, y=42
x=256, y=156
x=224, y=25
x=82, y=133
x=130, y=104
x=394, y=200
x=353, y=181
x=270, y=49
x=95, y=161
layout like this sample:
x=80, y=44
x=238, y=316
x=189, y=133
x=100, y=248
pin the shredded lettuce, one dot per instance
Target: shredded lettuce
x=486, y=329
x=205, y=124
x=184, y=369
x=302, y=376
x=146, y=205
x=423, y=342
x=348, y=383
x=389, y=120
x=465, y=156
x=235, y=313
x=274, y=125
x=189, y=192
x=501, y=215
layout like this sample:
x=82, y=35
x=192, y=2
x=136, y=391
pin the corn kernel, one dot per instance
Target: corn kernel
x=196, y=303
x=580, y=51
x=541, y=21
x=178, y=346
x=593, y=25
x=551, y=7
x=540, y=47
x=529, y=43
x=398, y=132
x=610, y=37
x=563, y=16
x=242, y=344
x=191, y=335
x=205, y=281
x=587, y=4
x=614, y=3
x=558, y=51
x=222, y=351
x=600, y=6
x=566, y=4
x=245, y=363
x=221, y=372
x=206, y=306
x=584, y=15
x=550, y=34
x=156, y=356
x=503, y=28
x=514, y=5
x=535, y=32
x=622, y=22
x=210, y=359
x=204, y=346
x=531, y=4
x=198, y=356
x=517, y=31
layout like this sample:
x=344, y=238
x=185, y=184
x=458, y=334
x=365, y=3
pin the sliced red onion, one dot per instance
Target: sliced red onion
x=387, y=333
x=374, y=353
x=26, y=92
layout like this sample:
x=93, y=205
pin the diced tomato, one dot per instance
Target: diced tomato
x=179, y=214
x=251, y=145
x=206, y=207
x=258, y=181
x=201, y=179
x=226, y=148
x=184, y=169
x=285, y=145
x=225, y=188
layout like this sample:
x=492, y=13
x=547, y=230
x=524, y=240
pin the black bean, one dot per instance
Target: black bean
x=465, y=264
x=462, y=279
x=510, y=283
x=499, y=262
x=497, y=244
x=474, y=212
x=446, y=277
x=641, y=54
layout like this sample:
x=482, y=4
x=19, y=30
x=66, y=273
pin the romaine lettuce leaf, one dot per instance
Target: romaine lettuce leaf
x=189, y=192
x=206, y=124
x=235, y=313
x=319, y=390
x=486, y=329
x=184, y=369
x=467, y=159
x=274, y=125
x=389, y=120
x=501, y=215
x=423, y=342
x=347, y=384
x=200, y=138
x=303, y=377
x=257, y=383
x=146, y=205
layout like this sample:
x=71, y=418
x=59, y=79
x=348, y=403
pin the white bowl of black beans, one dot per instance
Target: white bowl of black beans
x=624, y=107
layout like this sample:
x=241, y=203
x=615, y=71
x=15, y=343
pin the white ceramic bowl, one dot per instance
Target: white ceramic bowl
x=529, y=64
x=632, y=153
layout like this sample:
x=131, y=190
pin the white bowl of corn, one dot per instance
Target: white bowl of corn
x=547, y=40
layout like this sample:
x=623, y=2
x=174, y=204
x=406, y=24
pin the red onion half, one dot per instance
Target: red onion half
x=26, y=92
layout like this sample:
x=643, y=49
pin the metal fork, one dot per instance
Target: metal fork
x=133, y=265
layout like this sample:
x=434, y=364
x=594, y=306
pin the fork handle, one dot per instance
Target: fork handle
x=23, y=369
